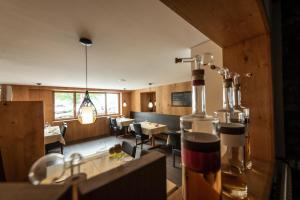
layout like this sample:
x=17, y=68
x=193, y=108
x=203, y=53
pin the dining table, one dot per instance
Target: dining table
x=151, y=129
x=124, y=122
x=52, y=134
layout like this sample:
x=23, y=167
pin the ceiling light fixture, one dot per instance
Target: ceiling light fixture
x=124, y=102
x=150, y=104
x=87, y=111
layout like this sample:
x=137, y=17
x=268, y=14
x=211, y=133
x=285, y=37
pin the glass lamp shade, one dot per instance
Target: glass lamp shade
x=87, y=111
x=124, y=104
x=150, y=104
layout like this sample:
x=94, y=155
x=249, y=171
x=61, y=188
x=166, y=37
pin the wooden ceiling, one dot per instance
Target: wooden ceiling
x=230, y=22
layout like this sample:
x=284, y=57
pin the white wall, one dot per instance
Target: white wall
x=213, y=81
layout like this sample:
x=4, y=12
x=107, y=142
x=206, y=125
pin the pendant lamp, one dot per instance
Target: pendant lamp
x=87, y=111
x=124, y=102
x=150, y=104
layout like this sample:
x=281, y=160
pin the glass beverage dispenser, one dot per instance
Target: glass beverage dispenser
x=241, y=114
x=201, y=167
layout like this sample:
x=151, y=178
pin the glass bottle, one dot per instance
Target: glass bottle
x=224, y=113
x=241, y=114
x=232, y=136
x=201, y=171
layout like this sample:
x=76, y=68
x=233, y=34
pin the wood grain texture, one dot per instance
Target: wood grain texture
x=254, y=56
x=26, y=191
x=225, y=22
x=75, y=131
x=127, y=97
x=21, y=137
x=144, y=178
x=163, y=99
x=145, y=98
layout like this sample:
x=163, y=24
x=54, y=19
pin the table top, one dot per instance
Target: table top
x=52, y=134
x=93, y=165
x=150, y=128
x=124, y=119
x=51, y=130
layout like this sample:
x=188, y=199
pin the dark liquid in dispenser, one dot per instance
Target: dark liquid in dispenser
x=201, y=170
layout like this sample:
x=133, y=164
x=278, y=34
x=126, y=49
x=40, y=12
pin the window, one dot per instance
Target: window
x=98, y=100
x=112, y=103
x=63, y=105
x=67, y=104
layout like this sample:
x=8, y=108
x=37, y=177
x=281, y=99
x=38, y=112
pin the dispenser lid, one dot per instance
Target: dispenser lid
x=227, y=82
x=201, y=142
x=232, y=128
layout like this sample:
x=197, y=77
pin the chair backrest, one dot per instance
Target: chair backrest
x=137, y=129
x=2, y=173
x=113, y=122
x=129, y=149
x=175, y=140
x=63, y=129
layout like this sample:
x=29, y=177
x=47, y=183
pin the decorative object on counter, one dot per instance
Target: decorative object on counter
x=87, y=111
x=115, y=149
x=201, y=169
x=233, y=139
x=51, y=168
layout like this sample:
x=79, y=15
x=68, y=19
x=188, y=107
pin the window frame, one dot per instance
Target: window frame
x=74, y=108
x=74, y=103
x=119, y=101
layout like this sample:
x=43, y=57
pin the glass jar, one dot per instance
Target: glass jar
x=232, y=137
x=201, y=167
x=241, y=115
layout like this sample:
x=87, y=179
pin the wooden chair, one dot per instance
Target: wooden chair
x=175, y=143
x=52, y=147
x=139, y=135
x=129, y=149
x=114, y=127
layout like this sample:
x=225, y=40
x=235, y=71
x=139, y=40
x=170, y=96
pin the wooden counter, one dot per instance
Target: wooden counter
x=259, y=181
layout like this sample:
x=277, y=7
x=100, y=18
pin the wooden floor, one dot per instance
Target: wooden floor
x=96, y=145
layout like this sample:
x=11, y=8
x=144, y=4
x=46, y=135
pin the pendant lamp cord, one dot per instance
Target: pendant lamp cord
x=86, y=68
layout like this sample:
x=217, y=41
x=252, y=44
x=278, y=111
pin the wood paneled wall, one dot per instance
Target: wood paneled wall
x=163, y=99
x=126, y=95
x=75, y=131
x=21, y=137
x=241, y=29
x=254, y=56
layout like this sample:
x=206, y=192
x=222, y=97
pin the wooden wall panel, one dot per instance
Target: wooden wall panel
x=21, y=137
x=20, y=93
x=163, y=99
x=77, y=131
x=254, y=56
x=127, y=97
x=46, y=96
